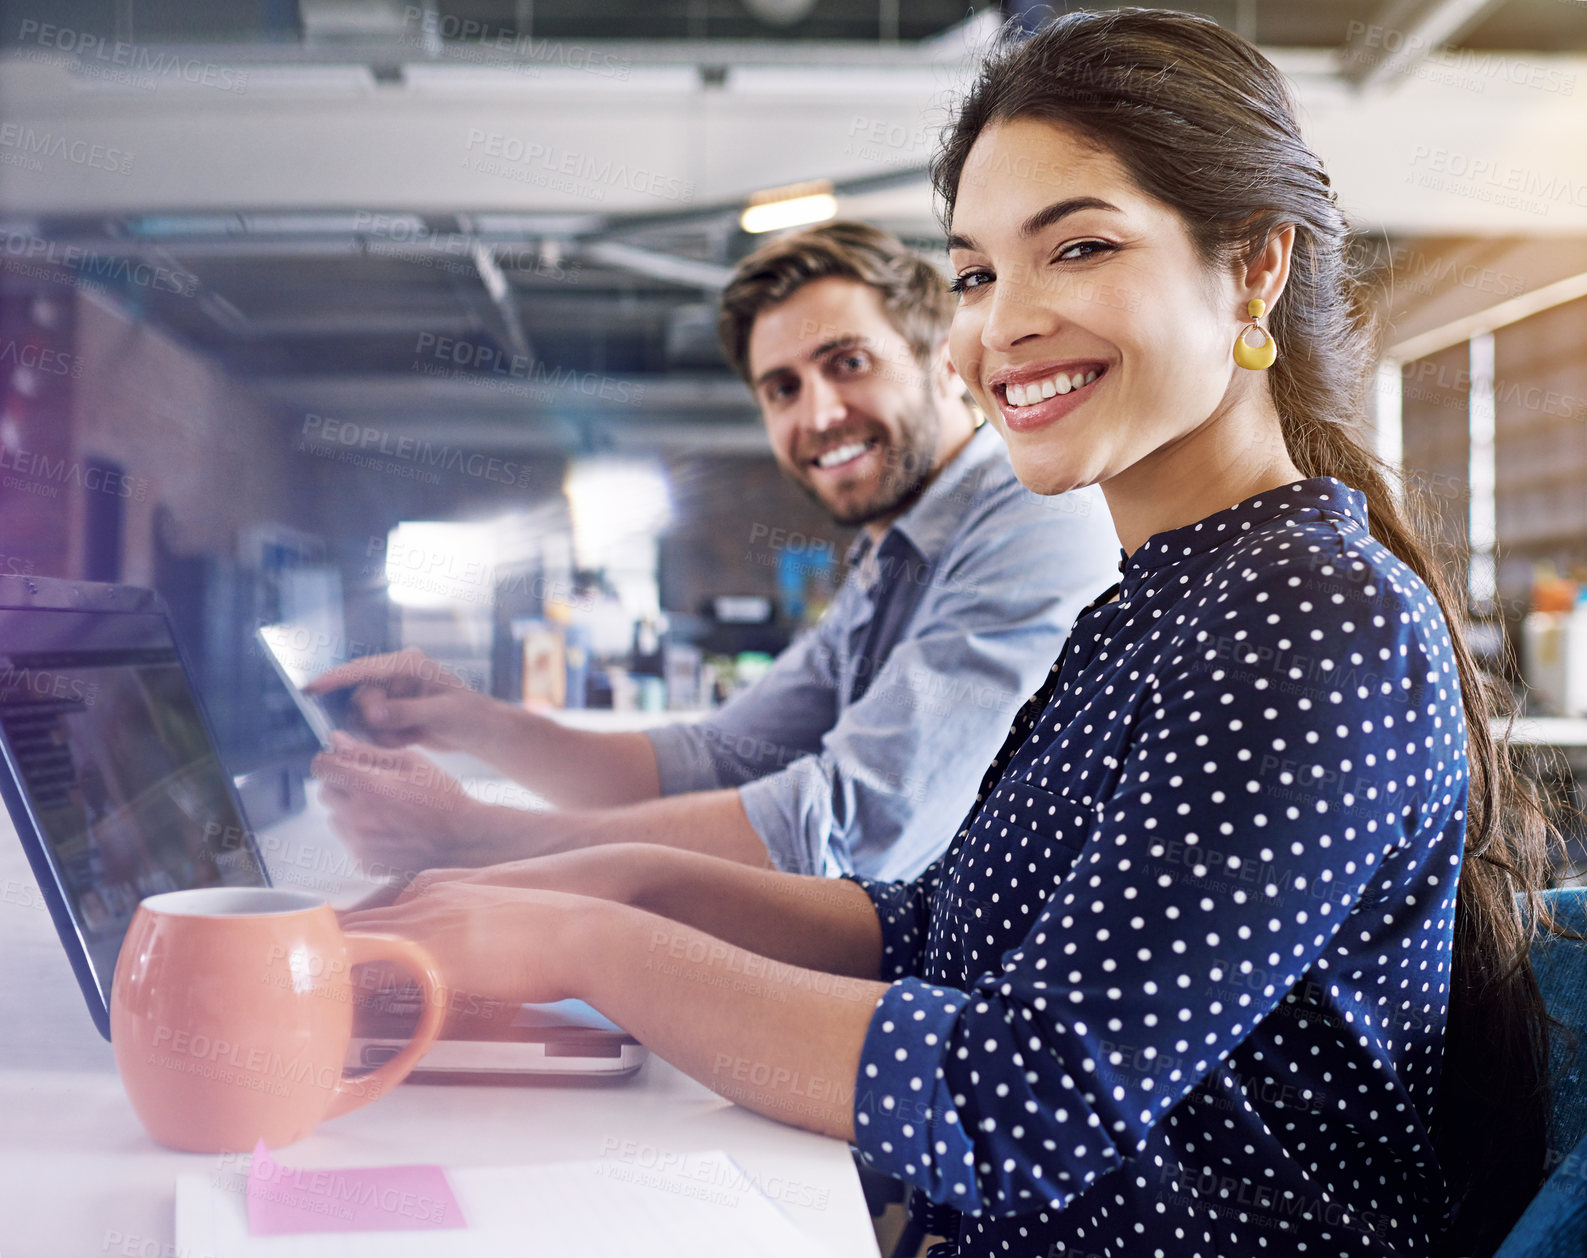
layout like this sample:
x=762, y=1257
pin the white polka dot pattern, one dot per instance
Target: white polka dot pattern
x=1179, y=985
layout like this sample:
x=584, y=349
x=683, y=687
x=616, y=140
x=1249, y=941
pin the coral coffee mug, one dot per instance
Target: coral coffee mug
x=231, y=1011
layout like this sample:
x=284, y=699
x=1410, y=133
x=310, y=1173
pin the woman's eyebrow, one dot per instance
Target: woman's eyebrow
x=1042, y=219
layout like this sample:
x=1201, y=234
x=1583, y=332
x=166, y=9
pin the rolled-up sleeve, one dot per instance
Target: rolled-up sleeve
x=904, y=911
x=872, y=786
x=1005, y=1097
x=763, y=728
x=900, y=766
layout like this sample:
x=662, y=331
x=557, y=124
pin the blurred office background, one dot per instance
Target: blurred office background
x=396, y=320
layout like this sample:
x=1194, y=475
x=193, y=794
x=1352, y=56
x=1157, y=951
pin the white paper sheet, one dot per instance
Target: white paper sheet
x=700, y=1207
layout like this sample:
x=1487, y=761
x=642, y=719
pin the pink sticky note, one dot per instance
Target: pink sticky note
x=283, y=1201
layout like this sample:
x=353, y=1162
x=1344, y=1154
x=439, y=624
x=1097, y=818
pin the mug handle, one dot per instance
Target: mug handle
x=362, y=948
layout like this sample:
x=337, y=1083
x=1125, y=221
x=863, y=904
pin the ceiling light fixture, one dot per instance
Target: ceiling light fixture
x=792, y=206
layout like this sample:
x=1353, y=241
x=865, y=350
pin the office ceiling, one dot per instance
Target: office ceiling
x=373, y=287
x=1537, y=25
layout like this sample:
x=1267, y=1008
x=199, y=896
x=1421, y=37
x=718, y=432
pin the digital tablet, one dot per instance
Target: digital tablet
x=290, y=650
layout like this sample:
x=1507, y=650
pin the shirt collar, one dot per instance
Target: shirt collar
x=1319, y=498
x=930, y=523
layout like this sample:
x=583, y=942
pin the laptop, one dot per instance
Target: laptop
x=116, y=790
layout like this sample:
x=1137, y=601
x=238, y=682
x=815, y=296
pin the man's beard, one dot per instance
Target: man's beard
x=906, y=467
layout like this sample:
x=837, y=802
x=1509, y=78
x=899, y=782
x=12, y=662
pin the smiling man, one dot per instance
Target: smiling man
x=862, y=747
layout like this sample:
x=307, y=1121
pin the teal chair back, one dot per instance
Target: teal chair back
x=1555, y=1224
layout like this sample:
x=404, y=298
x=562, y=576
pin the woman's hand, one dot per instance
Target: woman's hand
x=823, y=923
x=625, y=873
x=495, y=946
x=710, y=1008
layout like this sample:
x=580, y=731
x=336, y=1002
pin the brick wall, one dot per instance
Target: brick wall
x=188, y=437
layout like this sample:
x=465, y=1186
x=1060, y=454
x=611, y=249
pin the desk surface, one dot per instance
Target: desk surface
x=78, y=1176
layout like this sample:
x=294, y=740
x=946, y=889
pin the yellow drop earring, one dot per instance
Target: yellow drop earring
x=1261, y=356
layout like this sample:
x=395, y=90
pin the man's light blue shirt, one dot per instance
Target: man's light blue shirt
x=862, y=747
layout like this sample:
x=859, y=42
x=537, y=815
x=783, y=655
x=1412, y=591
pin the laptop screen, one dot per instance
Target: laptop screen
x=116, y=768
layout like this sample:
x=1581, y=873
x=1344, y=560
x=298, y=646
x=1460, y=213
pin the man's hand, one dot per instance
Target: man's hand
x=406, y=697
x=399, y=812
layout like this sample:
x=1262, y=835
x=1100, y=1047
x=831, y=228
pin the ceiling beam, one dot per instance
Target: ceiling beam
x=1403, y=34
x=320, y=323
x=545, y=434
x=511, y=389
x=613, y=58
x=501, y=299
x=1483, y=322
x=658, y=266
x=602, y=154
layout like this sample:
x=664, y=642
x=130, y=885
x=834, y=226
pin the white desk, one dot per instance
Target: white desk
x=605, y=720
x=79, y=1178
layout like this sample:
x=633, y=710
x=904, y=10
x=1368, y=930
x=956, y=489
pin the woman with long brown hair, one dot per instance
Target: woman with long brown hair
x=1226, y=958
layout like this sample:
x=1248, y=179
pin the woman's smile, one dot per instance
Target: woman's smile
x=1030, y=399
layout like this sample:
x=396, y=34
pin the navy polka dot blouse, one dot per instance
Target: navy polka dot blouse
x=1178, y=986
